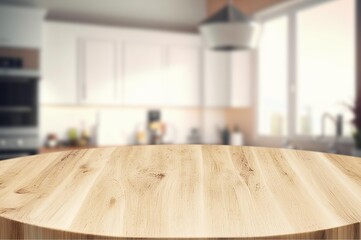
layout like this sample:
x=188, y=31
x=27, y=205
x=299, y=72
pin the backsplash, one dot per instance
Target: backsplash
x=118, y=125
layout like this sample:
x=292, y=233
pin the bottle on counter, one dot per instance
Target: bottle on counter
x=225, y=136
x=85, y=136
x=141, y=134
x=154, y=127
x=194, y=137
x=339, y=125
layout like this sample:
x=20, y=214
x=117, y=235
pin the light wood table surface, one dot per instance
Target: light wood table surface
x=181, y=191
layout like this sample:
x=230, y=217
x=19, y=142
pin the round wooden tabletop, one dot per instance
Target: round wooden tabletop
x=181, y=191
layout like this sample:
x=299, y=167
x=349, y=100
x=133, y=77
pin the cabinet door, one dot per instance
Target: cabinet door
x=217, y=75
x=59, y=65
x=98, y=71
x=241, y=74
x=183, y=76
x=143, y=74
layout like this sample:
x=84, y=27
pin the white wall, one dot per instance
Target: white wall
x=177, y=15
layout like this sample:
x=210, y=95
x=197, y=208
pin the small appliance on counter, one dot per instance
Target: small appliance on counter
x=225, y=136
x=155, y=127
x=234, y=137
x=155, y=131
x=194, y=137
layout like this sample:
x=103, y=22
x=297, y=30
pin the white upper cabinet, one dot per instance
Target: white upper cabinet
x=217, y=72
x=227, y=77
x=84, y=64
x=97, y=71
x=241, y=77
x=59, y=63
x=20, y=27
x=183, y=84
x=143, y=74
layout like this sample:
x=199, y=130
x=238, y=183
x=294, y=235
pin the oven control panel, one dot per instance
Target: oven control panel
x=12, y=143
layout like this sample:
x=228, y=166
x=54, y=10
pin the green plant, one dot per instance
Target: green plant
x=356, y=109
x=357, y=139
x=73, y=137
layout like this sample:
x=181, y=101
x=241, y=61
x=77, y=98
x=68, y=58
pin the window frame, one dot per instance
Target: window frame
x=290, y=12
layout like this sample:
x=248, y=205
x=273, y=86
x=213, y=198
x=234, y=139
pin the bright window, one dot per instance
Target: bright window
x=325, y=65
x=319, y=72
x=272, y=94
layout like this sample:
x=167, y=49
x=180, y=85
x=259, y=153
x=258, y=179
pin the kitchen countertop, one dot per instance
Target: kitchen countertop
x=63, y=148
x=181, y=191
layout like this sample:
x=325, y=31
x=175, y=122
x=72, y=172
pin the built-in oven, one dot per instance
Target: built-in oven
x=18, y=113
x=18, y=101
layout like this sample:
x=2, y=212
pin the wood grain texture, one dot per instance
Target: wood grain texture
x=181, y=191
x=63, y=149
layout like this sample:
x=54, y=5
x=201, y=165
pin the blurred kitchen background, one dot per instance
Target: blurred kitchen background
x=87, y=73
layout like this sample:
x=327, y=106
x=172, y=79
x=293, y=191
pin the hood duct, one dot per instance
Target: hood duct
x=230, y=29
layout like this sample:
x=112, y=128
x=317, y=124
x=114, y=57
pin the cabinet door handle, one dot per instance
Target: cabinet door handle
x=81, y=69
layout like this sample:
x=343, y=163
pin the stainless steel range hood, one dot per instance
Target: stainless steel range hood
x=230, y=29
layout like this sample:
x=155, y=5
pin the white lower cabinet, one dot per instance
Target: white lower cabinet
x=98, y=72
x=183, y=84
x=144, y=74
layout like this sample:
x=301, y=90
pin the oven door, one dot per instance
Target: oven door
x=18, y=102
